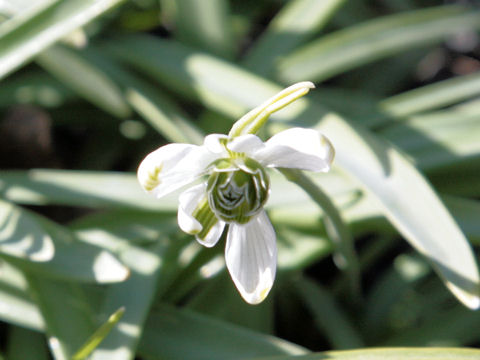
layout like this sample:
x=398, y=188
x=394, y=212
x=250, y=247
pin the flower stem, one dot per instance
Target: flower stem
x=335, y=227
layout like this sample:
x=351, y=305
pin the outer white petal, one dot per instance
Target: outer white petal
x=298, y=148
x=173, y=166
x=188, y=202
x=251, y=257
x=248, y=144
x=213, y=235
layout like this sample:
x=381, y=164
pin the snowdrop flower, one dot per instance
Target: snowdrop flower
x=236, y=188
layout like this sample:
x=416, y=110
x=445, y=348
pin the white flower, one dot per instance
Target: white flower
x=234, y=193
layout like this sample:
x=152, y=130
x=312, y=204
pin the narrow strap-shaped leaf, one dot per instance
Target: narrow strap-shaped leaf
x=35, y=243
x=411, y=205
x=389, y=354
x=181, y=334
x=357, y=45
x=23, y=42
x=85, y=79
x=20, y=15
x=64, y=187
x=16, y=349
x=98, y=335
x=294, y=24
x=432, y=96
x=206, y=24
x=68, y=317
x=336, y=229
x=328, y=316
x=150, y=272
x=18, y=307
x=147, y=100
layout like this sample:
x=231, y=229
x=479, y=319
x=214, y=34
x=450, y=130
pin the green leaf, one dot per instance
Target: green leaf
x=438, y=140
x=37, y=244
x=389, y=354
x=410, y=203
x=80, y=188
x=379, y=38
x=466, y=212
x=207, y=302
x=432, y=96
x=85, y=79
x=147, y=100
x=180, y=334
x=206, y=24
x=34, y=88
x=28, y=39
x=21, y=12
x=98, y=336
x=68, y=316
x=328, y=316
x=151, y=269
x=454, y=326
x=16, y=349
x=335, y=228
x=22, y=236
x=18, y=307
x=296, y=22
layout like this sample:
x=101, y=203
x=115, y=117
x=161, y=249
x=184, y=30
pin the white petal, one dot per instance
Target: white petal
x=213, y=144
x=213, y=235
x=248, y=144
x=251, y=257
x=188, y=202
x=173, y=166
x=297, y=148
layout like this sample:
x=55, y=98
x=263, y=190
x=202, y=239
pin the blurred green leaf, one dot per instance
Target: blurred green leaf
x=453, y=326
x=85, y=79
x=22, y=11
x=432, y=96
x=337, y=231
x=379, y=38
x=328, y=315
x=389, y=354
x=152, y=268
x=16, y=349
x=34, y=88
x=54, y=250
x=297, y=21
x=17, y=305
x=22, y=236
x=409, y=203
x=207, y=302
x=466, y=212
x=206, y=24
x=98, y=335
x=180, y=334
x=23, y=42
x=68, y=317
x=80, y=188
x=439, y=139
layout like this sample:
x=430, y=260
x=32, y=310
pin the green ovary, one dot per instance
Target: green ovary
x=237, y=189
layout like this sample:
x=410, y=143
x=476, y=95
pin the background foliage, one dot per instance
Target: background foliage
x=89, y=87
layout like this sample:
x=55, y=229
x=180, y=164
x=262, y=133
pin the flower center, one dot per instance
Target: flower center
x=237, y=189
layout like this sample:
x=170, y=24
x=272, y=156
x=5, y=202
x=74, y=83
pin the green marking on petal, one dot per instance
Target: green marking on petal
x=206, y=217
x=237, y=188
x=153, y=178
